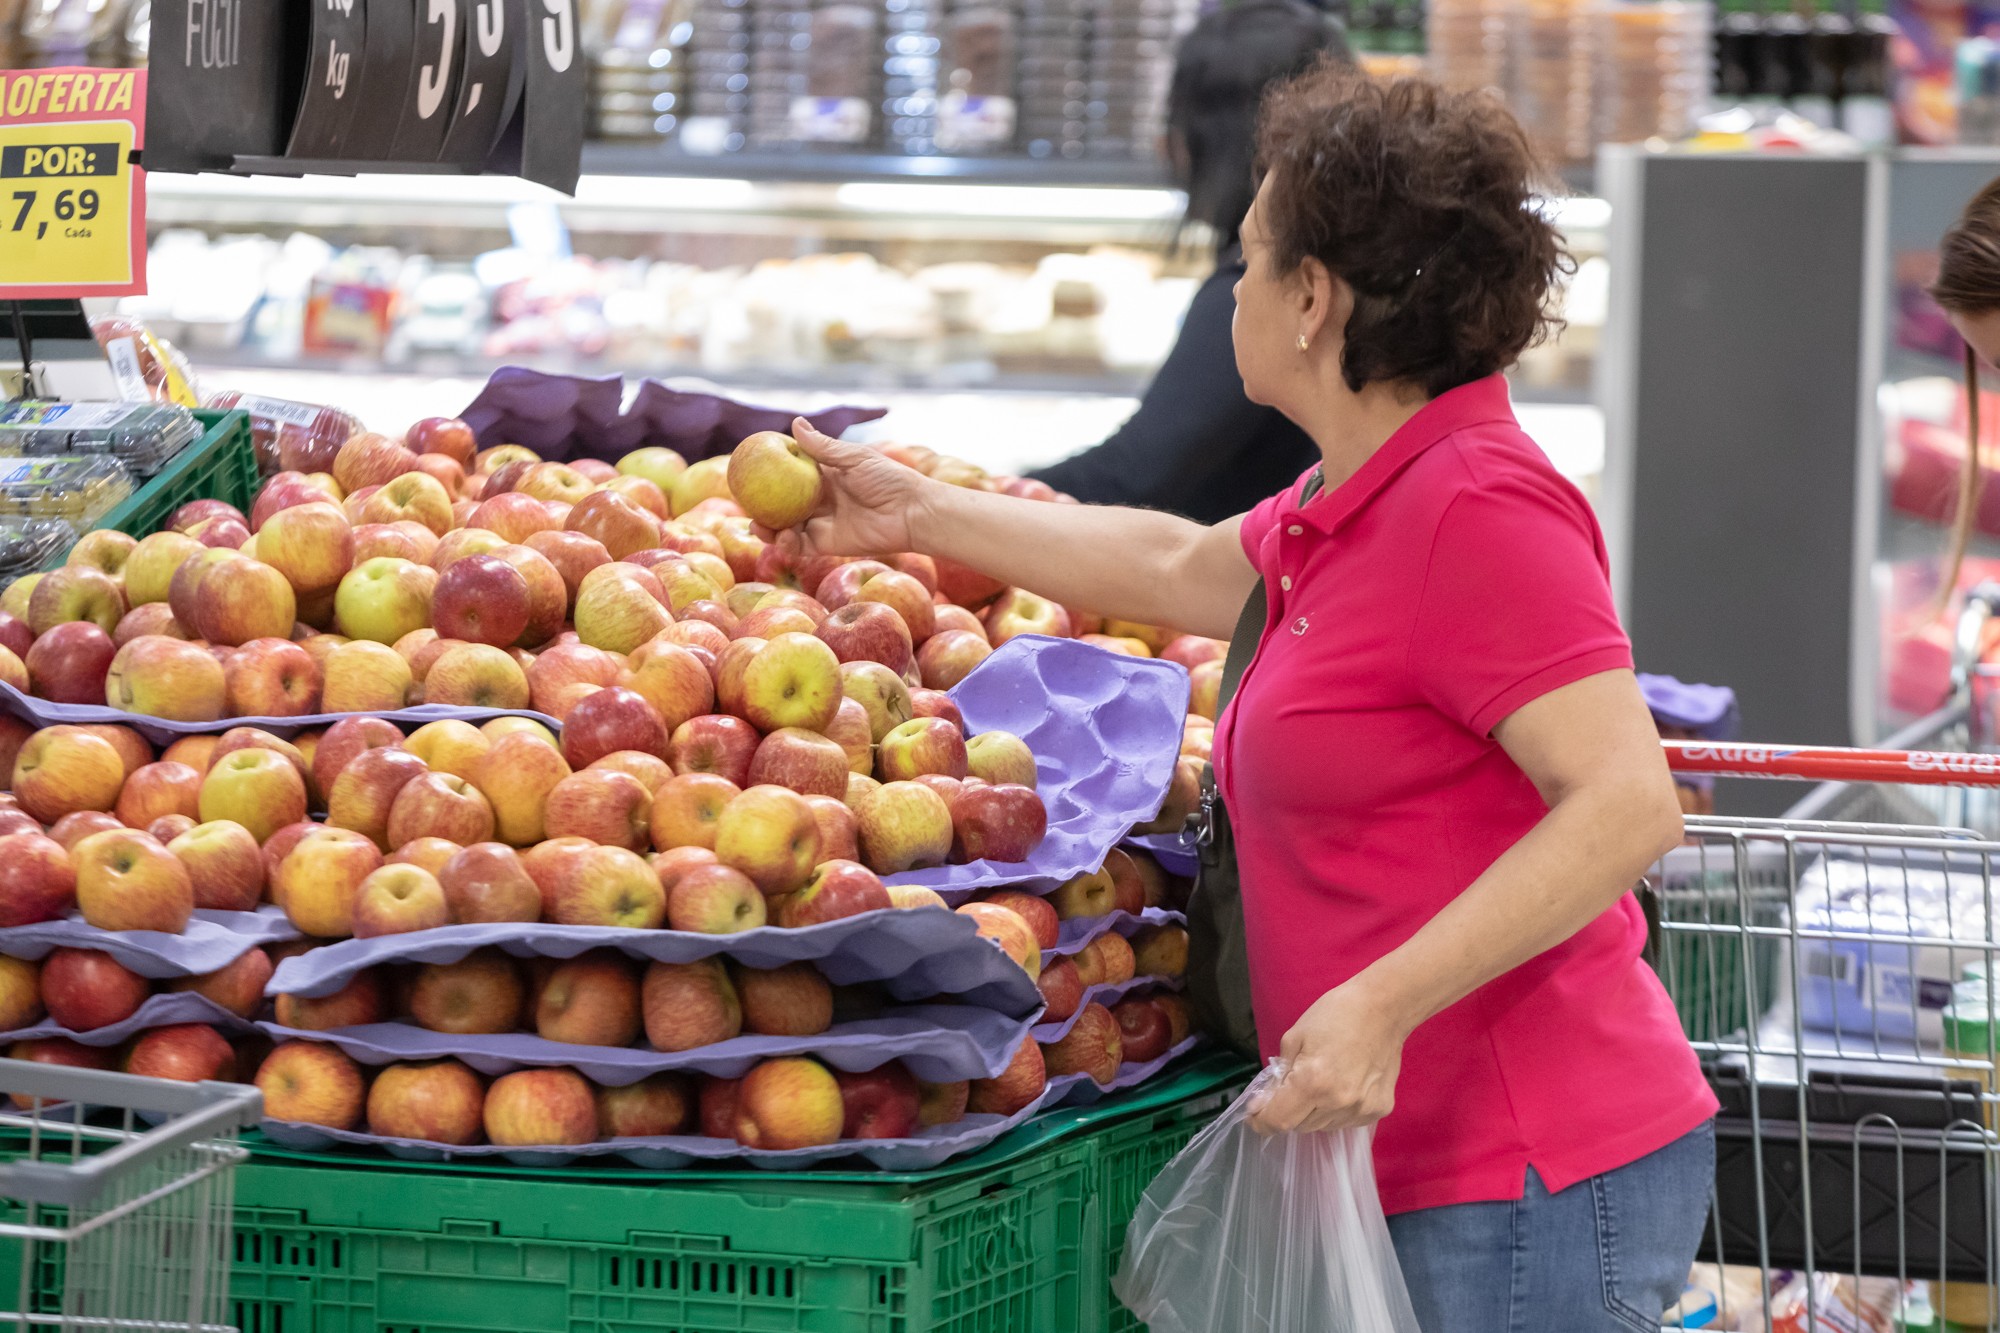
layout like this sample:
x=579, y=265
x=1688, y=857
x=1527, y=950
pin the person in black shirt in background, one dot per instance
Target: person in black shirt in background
x=1197, y=447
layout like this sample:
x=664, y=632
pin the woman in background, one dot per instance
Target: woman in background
x=1197, y=446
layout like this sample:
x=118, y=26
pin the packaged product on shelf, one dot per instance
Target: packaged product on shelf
x=976, y=110
x=77, y=490
x=837, y=106
x=1467, y=41
x=145, y=367
x=289, y=436
x=1054, y=77
x=1550, y=49
x=1653, y=65
x=352, y=307
x=638, y=64
x=142, y=436
x=28, y=544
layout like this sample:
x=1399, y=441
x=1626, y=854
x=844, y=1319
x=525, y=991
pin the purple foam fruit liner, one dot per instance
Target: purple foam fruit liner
x=1082, y=1089
x=160, y=732
x=1081, y=930
x=1105, y=729
x=566, y=417
x=212, y=942
x=1174, y=851
x=916, y=952
x=1106, y=993
x=939, y=1043
x=930, y=1147
x=159, y=1011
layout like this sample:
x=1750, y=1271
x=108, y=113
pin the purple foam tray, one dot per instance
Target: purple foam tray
x=1081, y=930
x=159, y=1011
x=1105, y=729
x=1176, y=855
x=1082, y=1089
x=160, y=732
x=213, y=941
x=939, y=1043
x=918, y=952
x=565, y=417
x=930, y=1147
x=1107, y=994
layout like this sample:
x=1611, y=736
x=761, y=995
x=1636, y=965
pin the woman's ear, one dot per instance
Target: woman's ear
x=1325, y=300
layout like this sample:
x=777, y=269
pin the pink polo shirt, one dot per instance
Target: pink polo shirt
x=1454, y=578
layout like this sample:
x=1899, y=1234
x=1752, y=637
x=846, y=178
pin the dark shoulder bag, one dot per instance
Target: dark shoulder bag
x=1218, y=978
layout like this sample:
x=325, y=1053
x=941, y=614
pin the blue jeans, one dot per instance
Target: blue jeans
x=1606, y=1255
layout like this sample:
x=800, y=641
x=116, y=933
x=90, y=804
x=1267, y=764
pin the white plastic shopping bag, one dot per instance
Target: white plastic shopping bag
x=1264, y=1234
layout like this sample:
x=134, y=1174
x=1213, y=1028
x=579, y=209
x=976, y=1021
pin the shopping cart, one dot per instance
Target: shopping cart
x=115, y=1196
x=1834, y=970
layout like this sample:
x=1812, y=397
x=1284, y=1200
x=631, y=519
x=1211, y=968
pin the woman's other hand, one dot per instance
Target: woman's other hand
x=866, y=500
x=1342, y=1059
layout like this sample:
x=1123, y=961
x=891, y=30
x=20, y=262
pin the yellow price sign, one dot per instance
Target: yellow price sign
x=72, y=204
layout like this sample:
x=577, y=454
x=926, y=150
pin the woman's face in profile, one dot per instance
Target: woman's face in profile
x=1265, y=328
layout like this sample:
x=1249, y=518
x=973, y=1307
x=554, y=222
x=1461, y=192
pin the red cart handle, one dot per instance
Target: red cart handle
x=1827, y=763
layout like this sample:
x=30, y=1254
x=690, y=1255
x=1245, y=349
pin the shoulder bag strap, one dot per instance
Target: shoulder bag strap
x=1250, y=624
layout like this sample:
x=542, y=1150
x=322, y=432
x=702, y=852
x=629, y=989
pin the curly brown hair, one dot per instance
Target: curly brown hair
x=1423, y=200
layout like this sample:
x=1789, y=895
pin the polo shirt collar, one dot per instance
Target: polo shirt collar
x=1471, y=404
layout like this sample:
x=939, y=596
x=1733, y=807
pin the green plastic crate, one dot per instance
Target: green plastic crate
x=221, y=465
x=1014, y=1239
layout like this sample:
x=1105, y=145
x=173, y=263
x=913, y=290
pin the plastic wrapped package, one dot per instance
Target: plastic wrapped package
x=146, y=367
x=143, y=437
x=1654, y=65
x=28, y=544
x=836, y=104
x=289, y=436
x=1264, y=1234
x=976, y=111
x=78, y=491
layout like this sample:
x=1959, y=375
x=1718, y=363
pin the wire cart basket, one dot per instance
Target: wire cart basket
x=115, y=1198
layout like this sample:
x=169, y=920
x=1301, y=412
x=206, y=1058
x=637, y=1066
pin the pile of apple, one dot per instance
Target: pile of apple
x=791, y=1102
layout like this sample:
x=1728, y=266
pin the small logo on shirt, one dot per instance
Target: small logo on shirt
x=1300, y=626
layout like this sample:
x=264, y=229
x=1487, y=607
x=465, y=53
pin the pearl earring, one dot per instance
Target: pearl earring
x=1303, y=344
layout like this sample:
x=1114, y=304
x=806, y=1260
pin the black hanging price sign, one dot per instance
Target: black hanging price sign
x=72, y=205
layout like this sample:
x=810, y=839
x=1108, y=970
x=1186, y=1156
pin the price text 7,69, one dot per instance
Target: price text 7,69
x=68, y=206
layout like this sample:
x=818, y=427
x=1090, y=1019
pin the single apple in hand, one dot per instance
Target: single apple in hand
x=775, y=481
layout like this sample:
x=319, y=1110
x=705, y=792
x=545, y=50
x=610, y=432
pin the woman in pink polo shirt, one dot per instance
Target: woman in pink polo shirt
x=1443, y=781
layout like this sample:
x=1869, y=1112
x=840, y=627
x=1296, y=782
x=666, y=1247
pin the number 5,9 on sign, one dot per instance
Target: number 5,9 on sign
x=72, y=204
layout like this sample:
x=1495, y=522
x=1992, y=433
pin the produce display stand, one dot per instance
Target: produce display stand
x=1023, y=1235
x=221, y=465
